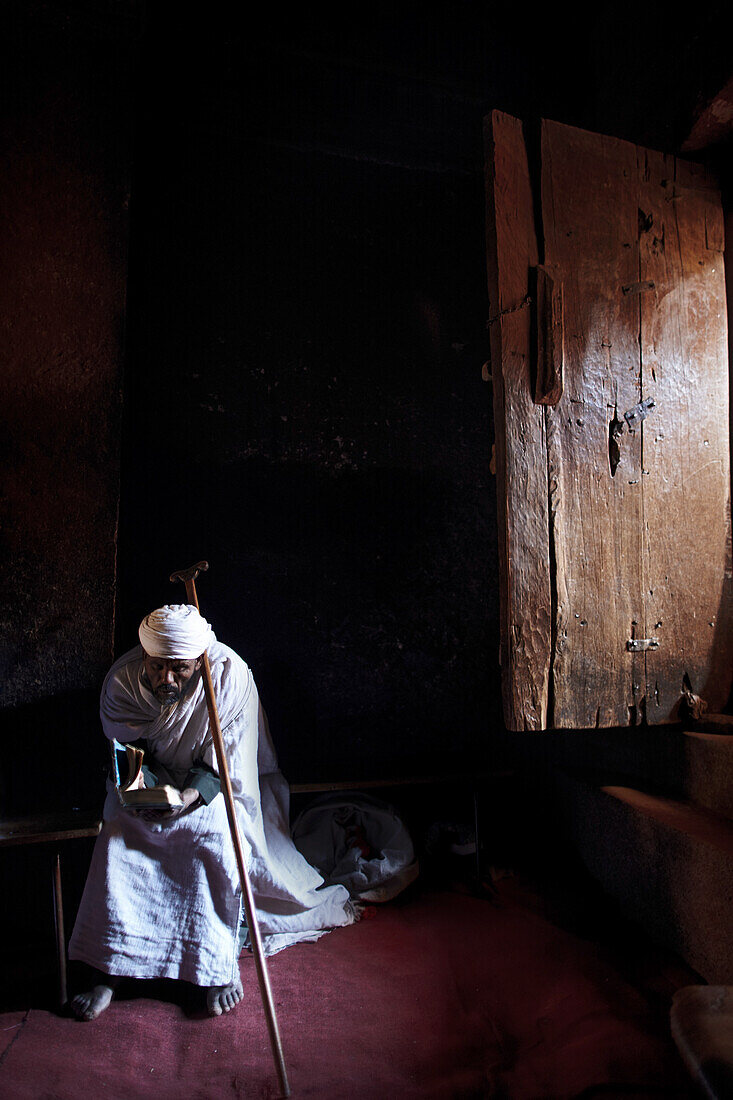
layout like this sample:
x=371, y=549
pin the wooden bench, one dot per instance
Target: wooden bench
x=53, y=829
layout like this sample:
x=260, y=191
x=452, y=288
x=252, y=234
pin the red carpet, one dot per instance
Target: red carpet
x=440, y=995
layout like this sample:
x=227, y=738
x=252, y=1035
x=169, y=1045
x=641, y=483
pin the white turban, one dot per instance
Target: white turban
x=175, y=632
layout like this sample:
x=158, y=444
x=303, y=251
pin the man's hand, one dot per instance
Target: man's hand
x=190, y=797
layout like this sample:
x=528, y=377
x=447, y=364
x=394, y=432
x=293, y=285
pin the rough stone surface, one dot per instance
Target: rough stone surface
x=65, y=144
x=709, y=770
x=678, y=886
x=702, y=1027
x=315, y=339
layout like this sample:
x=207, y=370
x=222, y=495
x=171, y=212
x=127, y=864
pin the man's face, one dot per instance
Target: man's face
x=168, y=679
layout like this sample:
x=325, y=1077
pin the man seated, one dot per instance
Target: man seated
x=163, y=897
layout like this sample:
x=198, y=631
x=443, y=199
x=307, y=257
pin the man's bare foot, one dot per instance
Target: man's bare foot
x=223, y=998
x=89, y=1005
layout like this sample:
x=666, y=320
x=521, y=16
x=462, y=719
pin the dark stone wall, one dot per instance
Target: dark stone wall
x=306, y=411
x=304, y=401
x=66, y=145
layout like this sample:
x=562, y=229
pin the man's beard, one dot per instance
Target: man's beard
x=167, y=695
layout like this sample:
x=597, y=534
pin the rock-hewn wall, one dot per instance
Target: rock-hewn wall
x=306, y=410
x=66, y=145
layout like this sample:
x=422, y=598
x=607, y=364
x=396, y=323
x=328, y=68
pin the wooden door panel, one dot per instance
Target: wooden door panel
x=686, y=445
x=589, y=212
x=520, y=433
x=617, y=586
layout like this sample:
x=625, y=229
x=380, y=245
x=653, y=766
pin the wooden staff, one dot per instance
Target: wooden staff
x=188, y=576
x=58, y=912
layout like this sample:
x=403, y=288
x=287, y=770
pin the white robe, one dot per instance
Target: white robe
x=164, y=900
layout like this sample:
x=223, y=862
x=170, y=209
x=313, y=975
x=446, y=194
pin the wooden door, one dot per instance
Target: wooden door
x=609, y=361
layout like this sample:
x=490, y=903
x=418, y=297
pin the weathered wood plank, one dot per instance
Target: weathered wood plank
x=686, y=448
x=521, y=461
x=590, y=210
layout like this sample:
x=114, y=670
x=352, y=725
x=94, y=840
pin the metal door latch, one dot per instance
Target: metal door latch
x=639, y=645
x=639, y=412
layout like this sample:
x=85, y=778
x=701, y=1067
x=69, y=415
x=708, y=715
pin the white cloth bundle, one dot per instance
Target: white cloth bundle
x=359, y=842
x=163, y=900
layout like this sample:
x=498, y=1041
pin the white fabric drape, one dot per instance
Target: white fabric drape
x=163, y=900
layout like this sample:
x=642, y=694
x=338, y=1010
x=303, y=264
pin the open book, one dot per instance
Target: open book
x=131, y=793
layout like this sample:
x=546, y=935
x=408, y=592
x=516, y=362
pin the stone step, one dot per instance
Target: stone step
x=696, y=821
x=701, y=1019
x=668, y=863
x=708, y=780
